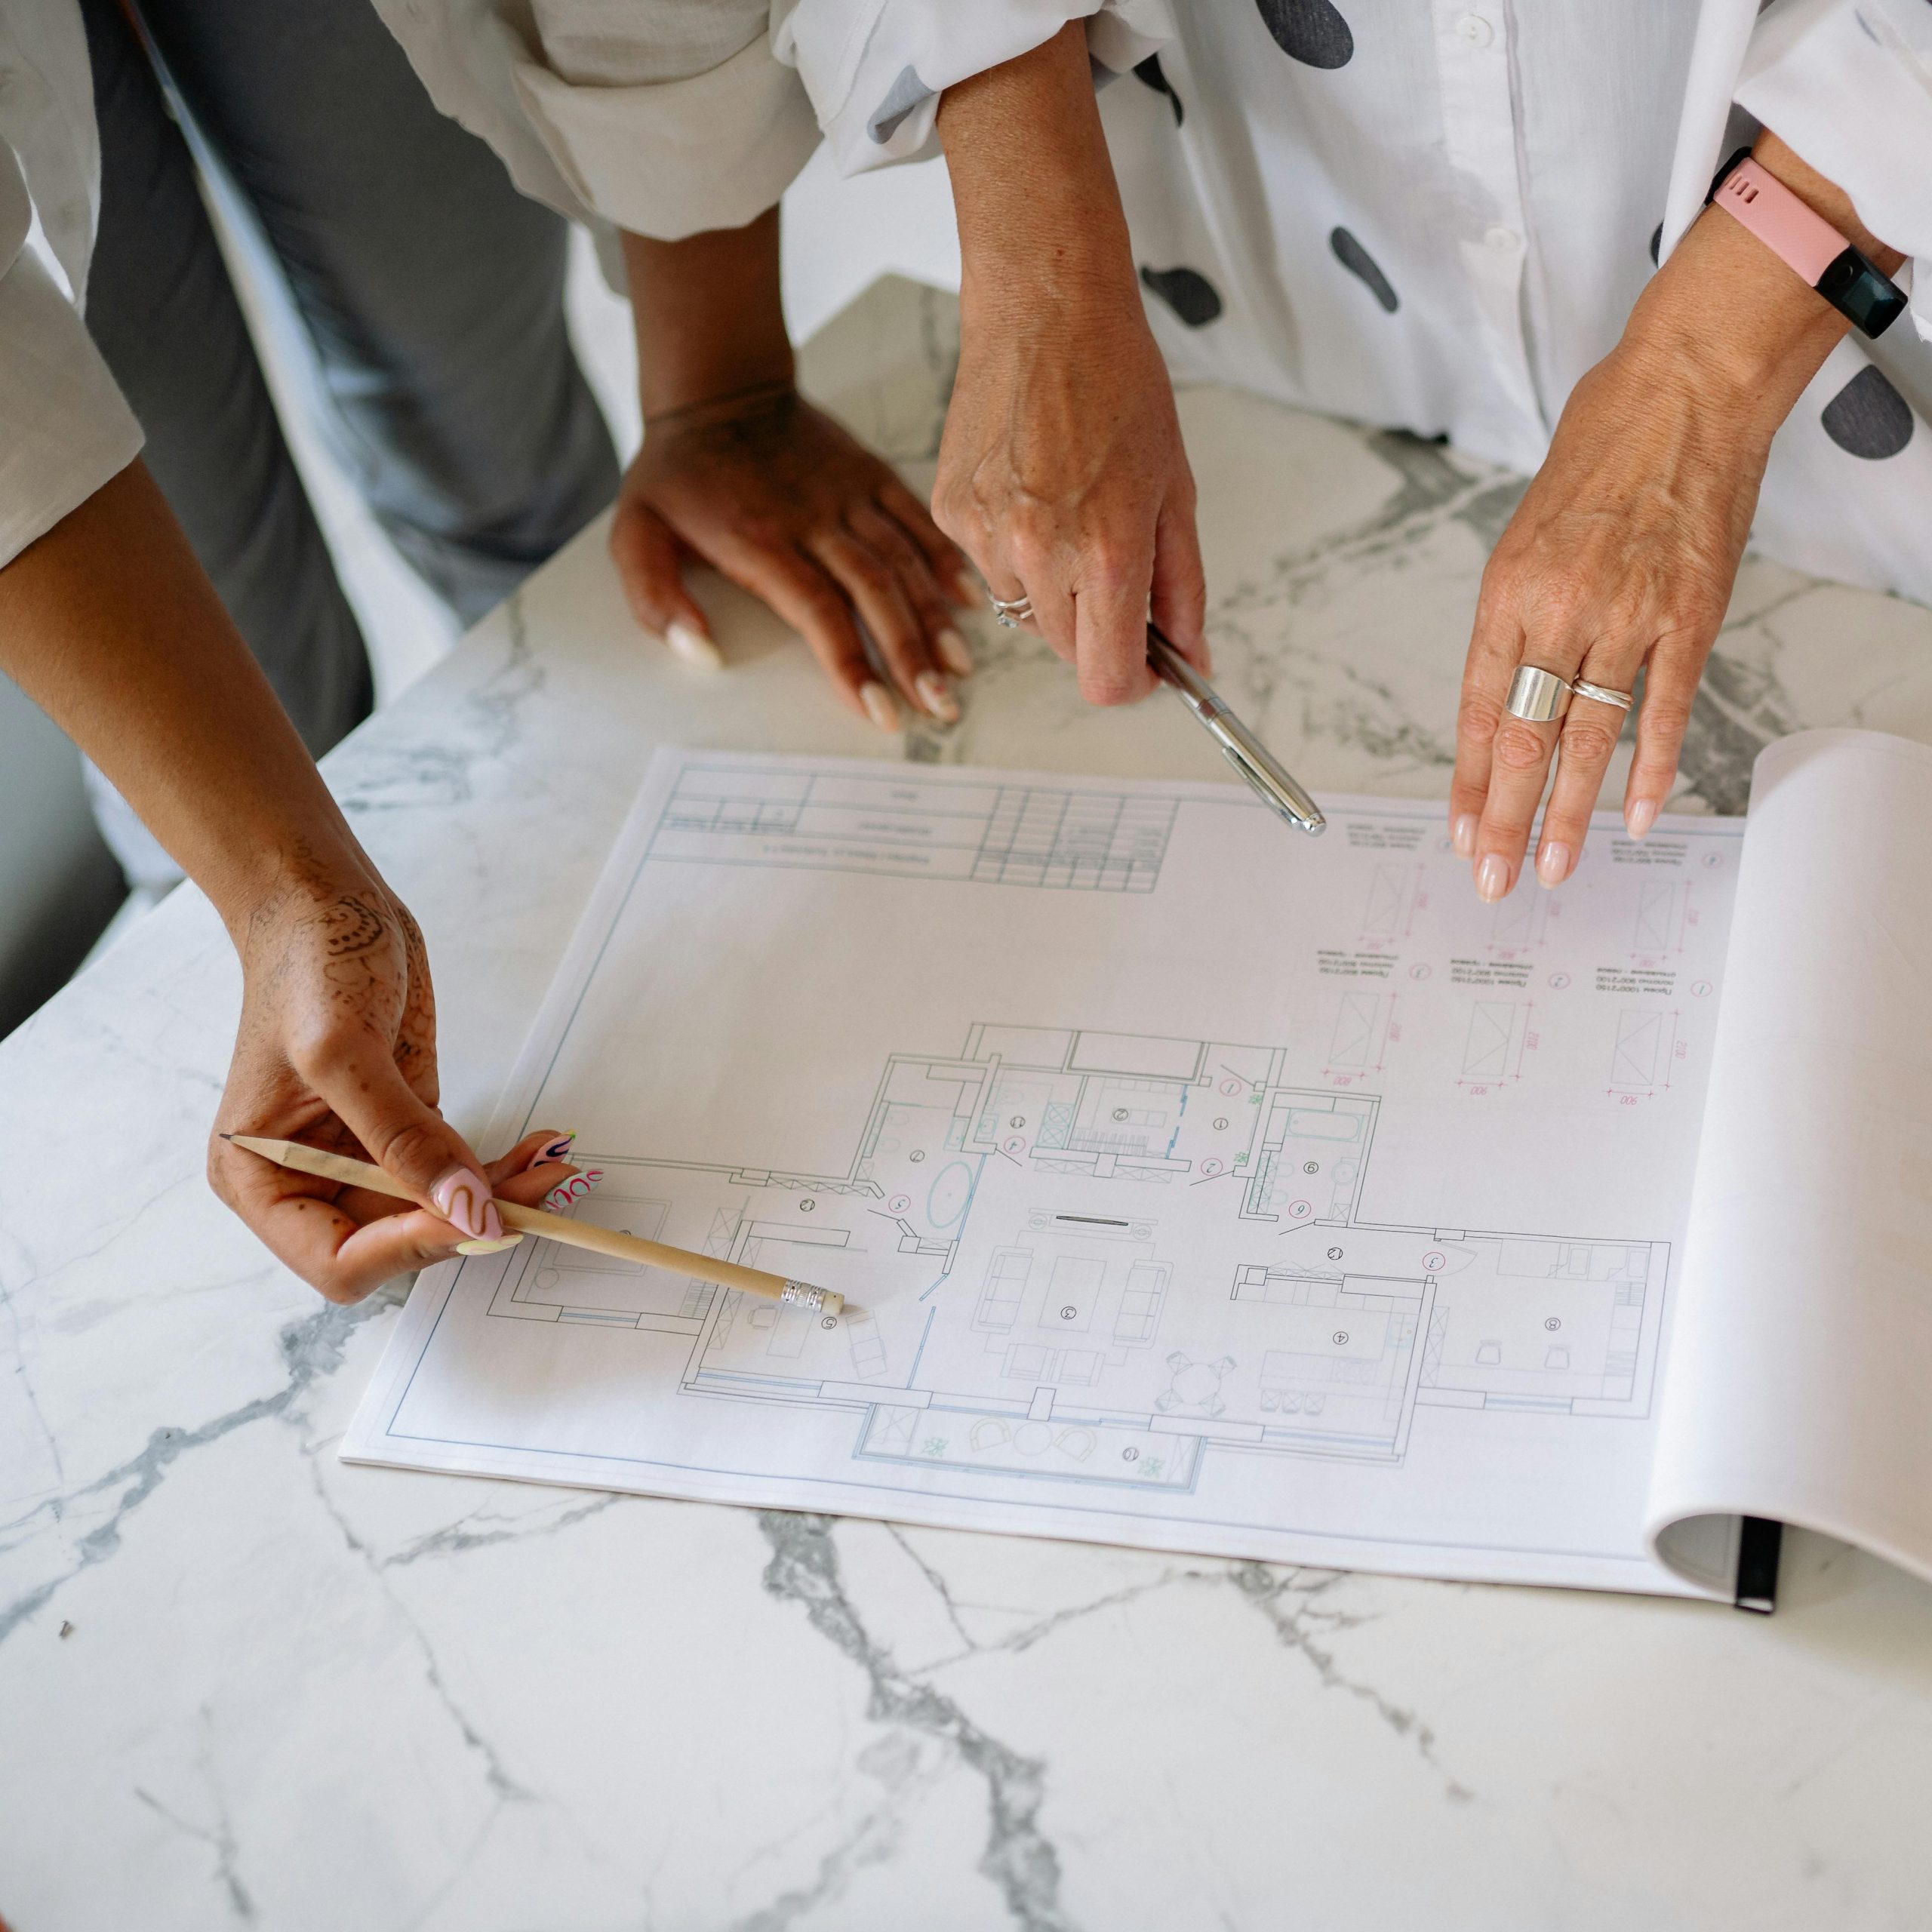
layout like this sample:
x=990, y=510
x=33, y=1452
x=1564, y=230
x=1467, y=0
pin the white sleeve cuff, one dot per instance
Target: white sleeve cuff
x=65, y=427
x=674, y=158
x=1847, y=83
x=875, y=69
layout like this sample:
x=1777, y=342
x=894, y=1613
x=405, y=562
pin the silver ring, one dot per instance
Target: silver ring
x=1623, y=700
x=1011, y=612
x=1537, y=695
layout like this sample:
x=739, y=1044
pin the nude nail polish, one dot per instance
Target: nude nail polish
x=462, y=1197
x=1492, y=877
x=1462, y=834
x=954, y=652
x=573, y=1189
x=1641, y=816
x=1553, y=863
x=487, y=1247
x=879, y=706
x=693, y=647
x=936, y=694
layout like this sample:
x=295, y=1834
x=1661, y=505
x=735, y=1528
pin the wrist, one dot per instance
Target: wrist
x=709, y=316
x=1726, y=317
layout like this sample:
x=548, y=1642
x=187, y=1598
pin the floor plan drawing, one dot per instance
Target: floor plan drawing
x=1190, y=1183
x=1049, y=1325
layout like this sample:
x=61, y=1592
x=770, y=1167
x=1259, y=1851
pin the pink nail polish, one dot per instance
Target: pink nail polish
x=1462, y=834
x=1641, y=816
x=1492, y=877
x=557, y=1148
x=463, y=1198
x=574, y=1189
x=1553, y=864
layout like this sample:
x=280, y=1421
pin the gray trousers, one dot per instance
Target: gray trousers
x=423, y=296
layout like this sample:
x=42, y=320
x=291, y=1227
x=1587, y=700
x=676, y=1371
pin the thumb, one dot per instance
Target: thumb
x=410, y=1142
x=1180, y=584
x=645, y=553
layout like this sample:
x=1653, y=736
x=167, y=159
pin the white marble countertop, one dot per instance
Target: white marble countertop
x=242, y=1683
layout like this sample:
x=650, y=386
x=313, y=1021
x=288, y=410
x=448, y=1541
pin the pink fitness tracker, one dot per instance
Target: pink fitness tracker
x=1802, y=239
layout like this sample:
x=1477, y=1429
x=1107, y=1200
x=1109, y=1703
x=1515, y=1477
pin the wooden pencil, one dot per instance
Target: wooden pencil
x=554, y=1227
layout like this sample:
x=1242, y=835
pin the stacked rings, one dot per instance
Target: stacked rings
x=1540, y=696
x=1011, y=612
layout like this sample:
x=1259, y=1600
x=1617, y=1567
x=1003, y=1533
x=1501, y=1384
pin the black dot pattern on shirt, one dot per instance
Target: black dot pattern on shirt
x=1309, y=31
x=1656, y=243
x=1148, y=75
x=904, y=94
x=1358, y=261
x=1868, y=417
x=1187, y=292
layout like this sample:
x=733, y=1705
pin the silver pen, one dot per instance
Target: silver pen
x=1273, y=784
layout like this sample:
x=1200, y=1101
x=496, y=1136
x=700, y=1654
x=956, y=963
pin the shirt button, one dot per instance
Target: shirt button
x=1501, y=241
x=1475, y=29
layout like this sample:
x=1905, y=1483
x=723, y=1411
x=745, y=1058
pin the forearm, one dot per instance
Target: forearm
x=710, y=318
x=1039, y=216
x=108, y=623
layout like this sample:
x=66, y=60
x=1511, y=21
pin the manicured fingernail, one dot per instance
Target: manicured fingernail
x=487, y=1247
x=694, y=648
x=557, y=1148
x=1553, y=863
x=1492, y=876
x=1462, y=834
x=936, y=694
x=561, y=1196
x=1641, y=816
x=463, y=1198
x=965, y=591
x=954, y=652
x=879, y=706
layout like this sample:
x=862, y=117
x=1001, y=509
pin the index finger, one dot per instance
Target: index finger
x=1110, y=627
x=1496, y=648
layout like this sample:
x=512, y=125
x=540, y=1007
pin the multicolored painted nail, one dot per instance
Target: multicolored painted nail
x=487, y=1247
x=557, y=1148
x=936, y=694
x=566, y=1192
x=462, y=1197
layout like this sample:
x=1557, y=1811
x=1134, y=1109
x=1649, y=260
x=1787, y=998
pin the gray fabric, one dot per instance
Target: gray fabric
x=424, y=296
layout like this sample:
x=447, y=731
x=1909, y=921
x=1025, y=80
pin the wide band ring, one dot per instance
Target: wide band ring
x=1011, y=612
x=1603, y=694
x=1537, y=695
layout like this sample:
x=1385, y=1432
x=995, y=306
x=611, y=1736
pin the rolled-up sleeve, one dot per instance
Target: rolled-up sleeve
x=664, y=117
x=65, y=428
x=1847, y=85
x=875, y=69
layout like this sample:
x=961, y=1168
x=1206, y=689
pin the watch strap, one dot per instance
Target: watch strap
x=1802, y=239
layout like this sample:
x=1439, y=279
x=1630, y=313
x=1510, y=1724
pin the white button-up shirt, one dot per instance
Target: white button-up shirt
x=64, y=428
x=1431, y=214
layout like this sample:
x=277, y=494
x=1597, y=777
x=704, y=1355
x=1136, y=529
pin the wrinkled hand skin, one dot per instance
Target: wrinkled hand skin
x=780, y=499
x=1620, y=559
x=1062, y=473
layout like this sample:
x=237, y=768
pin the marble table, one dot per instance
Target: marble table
x=242, y=1683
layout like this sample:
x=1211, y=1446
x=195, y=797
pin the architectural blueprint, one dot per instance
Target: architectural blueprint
x=1190, y=1183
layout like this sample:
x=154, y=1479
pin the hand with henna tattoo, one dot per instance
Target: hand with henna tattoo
x=108, y=622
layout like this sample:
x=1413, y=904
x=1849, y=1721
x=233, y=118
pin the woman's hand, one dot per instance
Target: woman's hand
x=1622, y=554
x=1061, y=470
x=738, y=470
x=337, y=1048
x=773, y=493
x=1062, y=474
